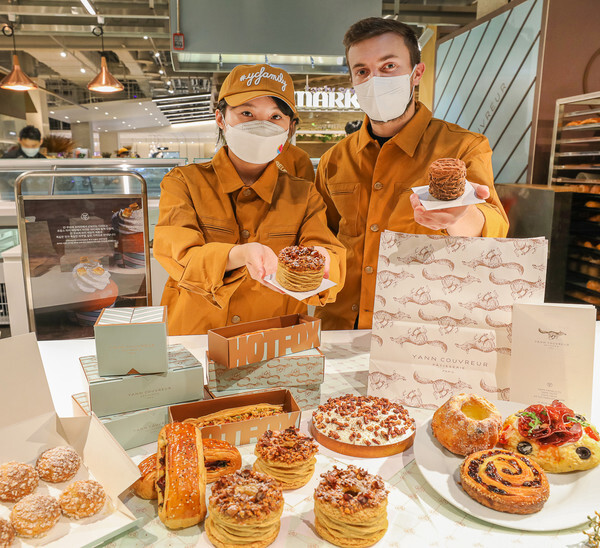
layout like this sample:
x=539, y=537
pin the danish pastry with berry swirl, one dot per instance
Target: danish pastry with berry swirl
x=505, y=481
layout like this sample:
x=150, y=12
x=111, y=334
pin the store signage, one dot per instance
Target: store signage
x=332, y=100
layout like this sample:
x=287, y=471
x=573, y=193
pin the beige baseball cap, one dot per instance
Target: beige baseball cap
x=246, y=82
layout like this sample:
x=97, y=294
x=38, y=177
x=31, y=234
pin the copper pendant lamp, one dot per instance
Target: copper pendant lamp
x=16, y=79
x=104, y=82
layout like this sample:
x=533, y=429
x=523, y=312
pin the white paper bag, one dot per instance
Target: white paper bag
x=442, y=315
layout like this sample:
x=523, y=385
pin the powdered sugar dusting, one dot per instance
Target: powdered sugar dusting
x=58, y=464
x=35, y=515
x=17, y=480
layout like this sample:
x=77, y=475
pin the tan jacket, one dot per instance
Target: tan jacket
x=367, y=188
x=296, y=162
x=204, y=211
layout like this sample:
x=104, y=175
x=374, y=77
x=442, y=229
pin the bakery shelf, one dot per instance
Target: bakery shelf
x=579, y=167
x=586, y=112
x=575, y=181
x=580, y=127
x=578, y=141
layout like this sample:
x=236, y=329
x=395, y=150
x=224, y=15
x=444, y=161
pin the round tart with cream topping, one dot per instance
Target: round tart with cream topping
x=467, y=423
x=244, y=508
x=58, y=464
x=17, y=480
x=363, y=426
x=351, y=507
x=34, y=515
x=287, y=455
x=300, y=268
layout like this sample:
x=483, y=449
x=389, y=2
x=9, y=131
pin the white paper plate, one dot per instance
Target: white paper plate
x=430, y=203
x=300, y=295
x=573, y=496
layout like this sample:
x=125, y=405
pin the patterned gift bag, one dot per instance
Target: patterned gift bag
x=442, y=315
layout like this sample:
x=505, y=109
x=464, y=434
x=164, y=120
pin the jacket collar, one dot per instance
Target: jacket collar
x=230, y=180
x=407, y=138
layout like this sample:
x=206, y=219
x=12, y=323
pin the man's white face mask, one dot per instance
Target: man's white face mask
x=383, y=98
x=256, y=142
x=30, y=152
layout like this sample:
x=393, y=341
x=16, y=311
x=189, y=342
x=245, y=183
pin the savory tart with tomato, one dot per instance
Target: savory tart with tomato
x=554, y=436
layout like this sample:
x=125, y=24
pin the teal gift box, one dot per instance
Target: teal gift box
x=131, y=341
x=129, y=429
x=183, y=381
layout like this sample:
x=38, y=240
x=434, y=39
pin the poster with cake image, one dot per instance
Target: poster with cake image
x=442, y=314
x=83, y=255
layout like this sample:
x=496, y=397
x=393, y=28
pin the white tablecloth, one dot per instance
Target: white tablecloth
x=419, y=517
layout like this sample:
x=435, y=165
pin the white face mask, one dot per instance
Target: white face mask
x=256, y=142
x=383, y=98
x=30, y=152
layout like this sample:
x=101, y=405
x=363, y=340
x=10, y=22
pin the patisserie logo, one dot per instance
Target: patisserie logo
x=254, y=78
x=551, y=338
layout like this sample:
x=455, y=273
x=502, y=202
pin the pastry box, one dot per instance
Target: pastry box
x=130, y=429
x=29, y=425
x=253, y=342
x=184, y=381
x=299, y=369
x=307, y=397
x=131, y=340
x=244, y=431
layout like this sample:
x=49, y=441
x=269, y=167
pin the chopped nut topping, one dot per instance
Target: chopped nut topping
x=287, y=446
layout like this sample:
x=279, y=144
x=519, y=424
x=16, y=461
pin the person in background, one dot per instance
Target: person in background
x=222, y=223
x=366, y=178
x=123, y=153
x=30, y=141
x=353, y=126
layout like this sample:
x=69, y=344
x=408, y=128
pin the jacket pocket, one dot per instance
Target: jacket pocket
x=282, y=236
x=219, y=230
x=346, y=197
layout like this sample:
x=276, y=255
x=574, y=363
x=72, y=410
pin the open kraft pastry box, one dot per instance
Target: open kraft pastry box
x=241, y=431
x=29, y=425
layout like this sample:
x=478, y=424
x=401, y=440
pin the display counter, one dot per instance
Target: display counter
x=418, y=515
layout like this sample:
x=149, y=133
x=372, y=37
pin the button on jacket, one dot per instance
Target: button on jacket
x=205, y=211
x=296, y=162
x=367, y=189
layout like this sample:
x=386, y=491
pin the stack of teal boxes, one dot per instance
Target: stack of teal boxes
x=134, y=376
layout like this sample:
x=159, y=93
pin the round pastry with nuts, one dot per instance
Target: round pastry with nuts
x=244, y=508
x=286, y=455
x=447, y=178
x=300, y=268
x=17, y=480
x=351, y=507
x=363, y=426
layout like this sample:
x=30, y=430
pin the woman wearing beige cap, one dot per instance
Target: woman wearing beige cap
x=222, y=223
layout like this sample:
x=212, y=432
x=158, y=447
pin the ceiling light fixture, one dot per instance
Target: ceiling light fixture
x=16, y=79
x=87, y=4
x=104, y=82
x=82, y=70
x=63, y=54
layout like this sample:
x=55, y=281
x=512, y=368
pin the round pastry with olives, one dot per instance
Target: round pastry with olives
x=554, y=436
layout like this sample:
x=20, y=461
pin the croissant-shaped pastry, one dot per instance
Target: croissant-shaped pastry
x=180, y=476
x=220, y=458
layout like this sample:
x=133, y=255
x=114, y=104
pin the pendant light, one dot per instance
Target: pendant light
x=104, y=82
x=16, y=79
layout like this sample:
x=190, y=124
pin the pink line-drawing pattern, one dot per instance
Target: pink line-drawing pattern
x=483, y=343
x=414, y=398
x=380, y=381
x=380, y=301
x=376, y=339
x=442, y=387
x=388, y=278
x=383, y=318
x=519, y=288
x=418, y=337
x=422, y=296
x=499, y=325
x=486, y=301
x=424, y=255
x=502, y=393
x=493, y=259
x=451, y=283
x=447, y=324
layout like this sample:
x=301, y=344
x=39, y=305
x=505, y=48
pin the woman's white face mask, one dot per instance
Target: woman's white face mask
x=383, y=98
x=256, y=142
